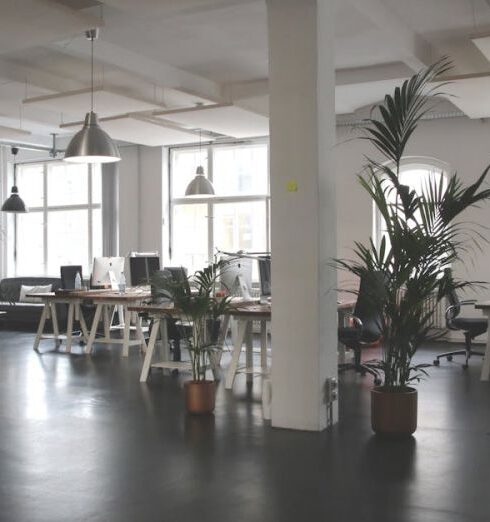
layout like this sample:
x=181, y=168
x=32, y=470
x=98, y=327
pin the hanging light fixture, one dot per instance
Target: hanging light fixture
x=200, y=186
x=91, y=144
x=14, y=203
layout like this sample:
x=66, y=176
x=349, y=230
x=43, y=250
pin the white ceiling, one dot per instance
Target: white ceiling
x=177, y=54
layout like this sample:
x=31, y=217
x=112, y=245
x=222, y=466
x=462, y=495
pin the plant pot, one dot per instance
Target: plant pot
x=199, y=397
x=394, y=411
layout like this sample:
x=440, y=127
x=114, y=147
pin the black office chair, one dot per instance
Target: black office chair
x=471, y=326
x=174, y=330
x=366, y=327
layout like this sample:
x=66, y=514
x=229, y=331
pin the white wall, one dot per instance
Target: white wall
x=129, y=199
x=140, y=199
x=462, y=143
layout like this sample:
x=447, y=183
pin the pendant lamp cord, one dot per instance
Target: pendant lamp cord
x=92, y=73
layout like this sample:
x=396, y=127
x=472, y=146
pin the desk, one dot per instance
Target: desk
x=484, y=306
x=245, y=314
x=49, y=300
x=104, y=304
x=159, y=314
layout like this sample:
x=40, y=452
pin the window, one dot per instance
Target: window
x=64, y=223
x=415, y=174
x=237, y=218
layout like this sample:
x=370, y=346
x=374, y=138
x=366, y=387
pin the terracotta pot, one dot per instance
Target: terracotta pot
x=393, y=412
x=199, y=396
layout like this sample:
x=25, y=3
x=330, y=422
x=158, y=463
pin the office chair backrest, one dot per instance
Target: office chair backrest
x=176, y=274
x=68, y=275
x=371, y=290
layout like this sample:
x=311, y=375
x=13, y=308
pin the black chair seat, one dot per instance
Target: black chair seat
x=349, y=334
x=475, y=325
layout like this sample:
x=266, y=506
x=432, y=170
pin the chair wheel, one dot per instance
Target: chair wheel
x=465, y=366
x=449, y=358
x=436, y=362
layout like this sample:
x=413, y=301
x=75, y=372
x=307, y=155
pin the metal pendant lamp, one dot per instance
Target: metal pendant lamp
x=14, y=202
x=200, y=186
x=92, y=144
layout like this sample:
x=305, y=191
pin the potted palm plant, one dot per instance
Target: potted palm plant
x=199, y=308
x=423, y=236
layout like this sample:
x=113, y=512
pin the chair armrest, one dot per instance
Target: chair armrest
x=357, y=322
x=452, y=307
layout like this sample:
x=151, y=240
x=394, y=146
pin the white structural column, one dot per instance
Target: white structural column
x=303, y=213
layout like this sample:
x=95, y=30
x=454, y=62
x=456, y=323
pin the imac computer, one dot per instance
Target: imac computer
x=265, y=278
x=236, y=276
x=106, y=271
x=142, y=268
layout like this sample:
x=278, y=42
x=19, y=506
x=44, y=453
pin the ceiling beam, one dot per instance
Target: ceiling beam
x=415, y=51
x=170, y=8
x=373, y=73
x=145, y=68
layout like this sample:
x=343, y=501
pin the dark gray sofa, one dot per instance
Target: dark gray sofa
x=24, y=315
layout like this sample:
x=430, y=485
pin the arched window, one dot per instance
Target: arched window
x=415, y=172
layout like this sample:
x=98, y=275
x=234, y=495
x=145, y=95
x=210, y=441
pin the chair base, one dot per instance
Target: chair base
x=449, y=356
x=360, y=368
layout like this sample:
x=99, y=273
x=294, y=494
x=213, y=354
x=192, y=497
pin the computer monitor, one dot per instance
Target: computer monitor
x=236, y=276
x=68, y=276
x=142, y=268
x=107, y=271
x=265, y=277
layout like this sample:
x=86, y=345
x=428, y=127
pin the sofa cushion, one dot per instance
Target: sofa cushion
x=25, y=290
x=10, y=286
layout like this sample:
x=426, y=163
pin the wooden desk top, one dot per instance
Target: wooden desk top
x=482, y=305
x=240, y=308
x=136, y=294
x=251, y=310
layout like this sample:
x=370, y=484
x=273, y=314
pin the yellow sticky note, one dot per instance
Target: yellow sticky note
x=292, y=186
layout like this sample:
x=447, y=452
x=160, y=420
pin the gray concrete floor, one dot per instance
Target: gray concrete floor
x=82, y=440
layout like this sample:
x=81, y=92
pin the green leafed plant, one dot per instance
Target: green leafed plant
x=424, y=232
x=198, y=309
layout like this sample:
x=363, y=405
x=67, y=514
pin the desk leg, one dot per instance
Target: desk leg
x=56, y=329
x=485, y=371
x=107, y=322
x=69, y=327
x=93, y=331
x=127, y=326
x=40, y=328
x=249, y=353
x=263, y=345
x=83, y=324
x=150, y=350
x=222, y=338
x=235, y=356
x=165, y=353
x=139, y=331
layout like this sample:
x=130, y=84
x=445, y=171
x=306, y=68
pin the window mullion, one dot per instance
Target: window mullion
x=210, y=209
x=45, y=219
x=90, y=214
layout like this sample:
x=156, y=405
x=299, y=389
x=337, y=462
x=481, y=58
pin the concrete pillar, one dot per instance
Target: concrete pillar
x=110, y=209
x=303, y=213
